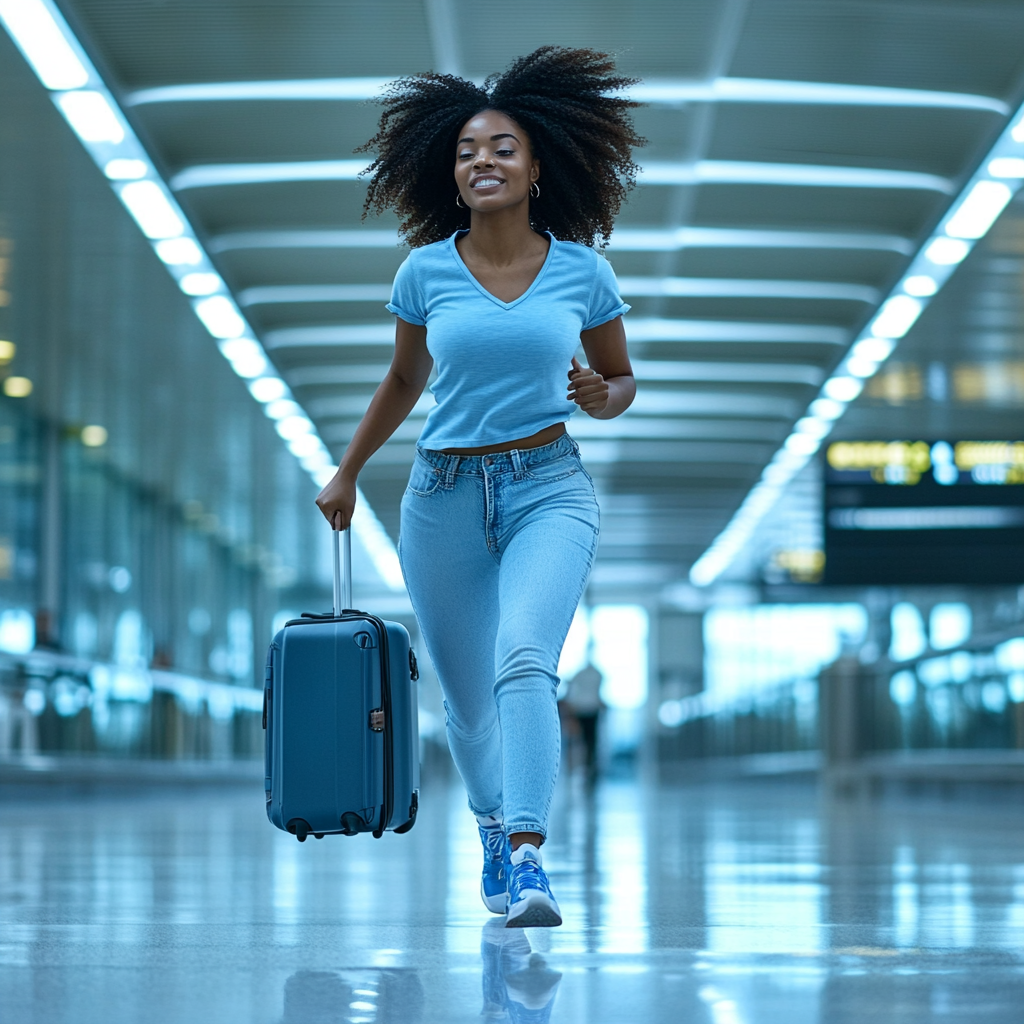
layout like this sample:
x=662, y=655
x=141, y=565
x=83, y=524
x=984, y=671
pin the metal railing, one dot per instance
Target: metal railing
x=54, y=703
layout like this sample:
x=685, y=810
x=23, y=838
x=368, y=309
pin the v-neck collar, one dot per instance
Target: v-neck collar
x=483, y=291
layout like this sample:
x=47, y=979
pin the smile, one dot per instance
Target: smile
x=487, y=182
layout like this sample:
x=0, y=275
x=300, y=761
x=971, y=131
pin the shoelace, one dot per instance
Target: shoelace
x=494, y=842
x=527, y=874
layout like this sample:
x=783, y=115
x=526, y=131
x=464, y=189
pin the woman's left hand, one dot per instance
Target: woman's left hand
x=587, y=388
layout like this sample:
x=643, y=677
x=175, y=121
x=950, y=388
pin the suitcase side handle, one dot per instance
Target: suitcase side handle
x=342, y=579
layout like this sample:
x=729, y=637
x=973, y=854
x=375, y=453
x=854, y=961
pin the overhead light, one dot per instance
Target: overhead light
x=200, y=284
x=283, y=408
x=304, y=445
x=292, y=427
x=151, y=209
x=126, y=169
x=7, y=351
x=211, y=175
x=94, y=436
x=842, y=389
x=979, y=210
x=803, y=444
x=1006, y=167
x=17, y=387
x=1017, y=132
x=876, y=349
x=863, y=368
x=812, y=426
x=220, y=317
x=744, y=172
x=827, y=408
x=316, y=462
x=268, y=389
x=944, y=252
x=920, y=285
x=91, y=116
x=245, y=355
x=34, y=27
x=896, y=317
x=179, y=252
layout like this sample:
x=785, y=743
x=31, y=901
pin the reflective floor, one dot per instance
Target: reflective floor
x=727, y=904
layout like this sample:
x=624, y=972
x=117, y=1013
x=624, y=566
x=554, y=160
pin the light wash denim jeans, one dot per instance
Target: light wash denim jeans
x=496, y=550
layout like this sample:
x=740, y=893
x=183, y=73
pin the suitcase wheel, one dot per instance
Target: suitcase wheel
x=299, y=828
x=351, y=823
x=318, y=835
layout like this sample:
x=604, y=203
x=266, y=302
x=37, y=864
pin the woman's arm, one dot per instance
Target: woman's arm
x=391, y=403
x=607, y=388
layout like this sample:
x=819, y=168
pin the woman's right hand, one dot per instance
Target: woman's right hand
x=337, y=501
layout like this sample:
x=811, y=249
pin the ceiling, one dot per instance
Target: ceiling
x=771, y=217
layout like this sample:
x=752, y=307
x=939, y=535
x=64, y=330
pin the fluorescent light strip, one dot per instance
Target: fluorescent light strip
x=722, y=172
x=275, y=294
x=741, y=172
x=59, y=61
x=970, y=217
x=41, y=33
x=707, y=287
x=623, y=240
x=683, y=287
x=651, y=91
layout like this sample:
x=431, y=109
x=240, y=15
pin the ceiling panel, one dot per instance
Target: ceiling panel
x=710, y=412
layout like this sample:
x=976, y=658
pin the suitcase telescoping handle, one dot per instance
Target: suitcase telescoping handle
x=342, y=580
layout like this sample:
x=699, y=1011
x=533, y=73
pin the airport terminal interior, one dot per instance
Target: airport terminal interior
x=800, y=797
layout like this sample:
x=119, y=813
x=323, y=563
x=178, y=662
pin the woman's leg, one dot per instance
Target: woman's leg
x=544, y=568
x=453, y=584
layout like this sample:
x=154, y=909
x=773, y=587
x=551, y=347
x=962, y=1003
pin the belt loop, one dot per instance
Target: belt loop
x=517, y=462
x=451, y=469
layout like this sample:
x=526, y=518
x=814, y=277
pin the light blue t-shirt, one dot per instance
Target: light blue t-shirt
x=502, y=367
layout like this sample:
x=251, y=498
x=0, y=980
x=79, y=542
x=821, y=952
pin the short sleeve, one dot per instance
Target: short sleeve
x=407, y=296
x=605, y=301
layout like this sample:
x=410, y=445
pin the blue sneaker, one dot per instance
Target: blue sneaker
x=530, y=903
x=493, y=888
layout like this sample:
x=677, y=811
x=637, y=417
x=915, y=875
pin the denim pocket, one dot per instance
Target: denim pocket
x=552, y=470
x=424, y=478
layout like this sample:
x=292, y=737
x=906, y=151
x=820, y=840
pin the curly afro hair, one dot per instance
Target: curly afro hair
x=565, y=99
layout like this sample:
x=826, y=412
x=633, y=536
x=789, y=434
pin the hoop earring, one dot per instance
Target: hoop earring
x=458, y=200
x=536, y=195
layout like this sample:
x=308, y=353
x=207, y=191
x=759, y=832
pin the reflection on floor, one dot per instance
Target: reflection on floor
x=746, y=903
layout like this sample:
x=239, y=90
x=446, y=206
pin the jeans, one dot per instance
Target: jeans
x=496, y=550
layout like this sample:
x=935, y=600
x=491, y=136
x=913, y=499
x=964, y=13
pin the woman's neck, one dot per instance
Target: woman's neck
x=501, y=238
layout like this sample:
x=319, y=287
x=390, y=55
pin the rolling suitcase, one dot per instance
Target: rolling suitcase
x=340, y=713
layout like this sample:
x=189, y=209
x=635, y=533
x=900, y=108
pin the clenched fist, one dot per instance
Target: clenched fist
x=587, y=388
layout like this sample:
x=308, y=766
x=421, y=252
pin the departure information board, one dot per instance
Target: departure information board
x=924, y=512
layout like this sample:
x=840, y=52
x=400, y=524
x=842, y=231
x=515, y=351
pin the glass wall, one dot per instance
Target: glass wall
x=152, y=524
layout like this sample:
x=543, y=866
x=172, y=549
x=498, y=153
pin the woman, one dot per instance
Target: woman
x=502, y=190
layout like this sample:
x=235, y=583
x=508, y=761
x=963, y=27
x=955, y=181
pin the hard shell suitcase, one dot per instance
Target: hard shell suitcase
x=340, y=713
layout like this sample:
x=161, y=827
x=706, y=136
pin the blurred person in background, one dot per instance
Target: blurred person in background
x=584, y=704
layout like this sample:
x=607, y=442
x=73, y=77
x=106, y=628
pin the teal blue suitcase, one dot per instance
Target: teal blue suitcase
x=340, y=713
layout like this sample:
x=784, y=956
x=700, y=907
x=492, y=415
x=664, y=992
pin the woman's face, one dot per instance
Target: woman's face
x=494, y=165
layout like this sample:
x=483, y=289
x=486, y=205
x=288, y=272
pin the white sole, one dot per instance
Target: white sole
x=495, y=904
x=534, y=910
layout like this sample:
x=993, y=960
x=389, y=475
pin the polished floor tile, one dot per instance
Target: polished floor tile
x=750, y=903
